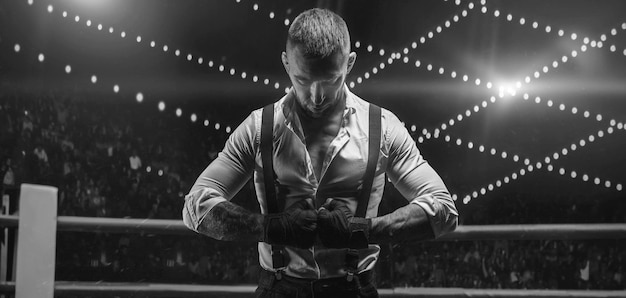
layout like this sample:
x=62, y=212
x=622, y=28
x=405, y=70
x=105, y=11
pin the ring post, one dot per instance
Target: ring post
x=36, y=242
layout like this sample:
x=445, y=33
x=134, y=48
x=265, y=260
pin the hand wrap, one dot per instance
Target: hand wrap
x=338, y=228
x=296, y=226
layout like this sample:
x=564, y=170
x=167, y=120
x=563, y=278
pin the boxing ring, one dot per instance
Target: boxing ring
x=38, y=223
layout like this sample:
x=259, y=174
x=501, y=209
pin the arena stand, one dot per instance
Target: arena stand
x=88, y=147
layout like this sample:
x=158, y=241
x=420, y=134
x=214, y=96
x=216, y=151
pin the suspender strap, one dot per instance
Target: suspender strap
x=352, y=255
x=372, y=160
x=267, y=147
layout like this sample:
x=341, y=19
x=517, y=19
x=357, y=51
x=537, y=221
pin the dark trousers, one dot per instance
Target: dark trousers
x=291, y=287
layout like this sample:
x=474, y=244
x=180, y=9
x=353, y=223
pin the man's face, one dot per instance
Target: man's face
x=317, y=82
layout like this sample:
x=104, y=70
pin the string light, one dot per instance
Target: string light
x=165, y=47
x=504, y=155
x=561, y=33
x=390, y=60
x=414, y=44
x=94, y=79
x=152, y=43
x=550, y=167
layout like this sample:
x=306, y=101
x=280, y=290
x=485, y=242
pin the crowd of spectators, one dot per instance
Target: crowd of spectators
x=513, y=264
x=122, y=160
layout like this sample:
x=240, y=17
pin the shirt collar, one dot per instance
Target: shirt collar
x=350, y=102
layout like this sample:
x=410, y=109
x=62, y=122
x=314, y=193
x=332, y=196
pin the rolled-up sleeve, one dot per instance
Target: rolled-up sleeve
x=225, y=176
x=415, y=179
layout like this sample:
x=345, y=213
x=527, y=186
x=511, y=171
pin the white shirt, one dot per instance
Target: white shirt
x=341, y=175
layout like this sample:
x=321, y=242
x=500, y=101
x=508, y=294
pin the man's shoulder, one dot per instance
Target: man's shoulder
x=277, y=105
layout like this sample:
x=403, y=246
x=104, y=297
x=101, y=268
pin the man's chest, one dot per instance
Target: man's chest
x=317, y=136
x=317, y=148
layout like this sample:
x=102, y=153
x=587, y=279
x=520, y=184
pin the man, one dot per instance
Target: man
x=319, y=150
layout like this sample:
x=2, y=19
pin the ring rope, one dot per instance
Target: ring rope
x=162, y=226
x=463, y=232
x=108, y=289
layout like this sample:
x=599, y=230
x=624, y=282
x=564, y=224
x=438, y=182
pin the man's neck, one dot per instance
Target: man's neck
x=330, y=115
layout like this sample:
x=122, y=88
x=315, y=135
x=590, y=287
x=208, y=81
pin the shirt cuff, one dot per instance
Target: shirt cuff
x=433, y=211
x=197, y=206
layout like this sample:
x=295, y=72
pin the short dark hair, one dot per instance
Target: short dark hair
x=321, y=32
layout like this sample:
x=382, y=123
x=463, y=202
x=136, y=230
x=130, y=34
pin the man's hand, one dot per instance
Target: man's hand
x=338, y=228
x=296, y=226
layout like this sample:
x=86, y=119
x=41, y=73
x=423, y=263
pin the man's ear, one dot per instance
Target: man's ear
x=283, y=57
x=351, y=60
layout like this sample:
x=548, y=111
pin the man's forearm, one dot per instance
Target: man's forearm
x=230, y=222
x=407, y=224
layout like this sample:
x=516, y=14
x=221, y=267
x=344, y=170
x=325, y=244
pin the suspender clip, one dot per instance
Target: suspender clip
x=352, y=263
x=350, y=276
x=279, y=274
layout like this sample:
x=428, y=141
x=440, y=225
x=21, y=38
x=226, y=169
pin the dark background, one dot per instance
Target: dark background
x=488, y=188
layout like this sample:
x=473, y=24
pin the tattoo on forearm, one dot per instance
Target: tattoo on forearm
x=229, y=222
x=406, y=224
